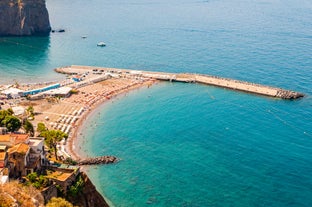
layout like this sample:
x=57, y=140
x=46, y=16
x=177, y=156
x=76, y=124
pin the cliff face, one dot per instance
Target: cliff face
x=23, y=18
x=89, y=197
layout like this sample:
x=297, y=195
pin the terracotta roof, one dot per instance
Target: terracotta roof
x=2, y=156
x=19, y=138
x=14, y=138
x=19, y=148
x=5, y=138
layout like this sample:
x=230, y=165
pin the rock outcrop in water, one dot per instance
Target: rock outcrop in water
x=24, y=18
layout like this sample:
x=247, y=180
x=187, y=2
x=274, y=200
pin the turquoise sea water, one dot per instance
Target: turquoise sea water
x=183, y=144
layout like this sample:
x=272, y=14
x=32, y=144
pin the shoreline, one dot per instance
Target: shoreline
x=71, y=142
x=69, y=113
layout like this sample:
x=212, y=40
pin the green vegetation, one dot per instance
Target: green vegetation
x=38, y=182
x=5, y=113
x=51, y=137
x=70, y=161
x=30, y=112
x=12, y=123
x=41, y=127
x=29, y=128
x=15, y=194
x=59, y=202
x=73, y=91
x=9, y=121
x=77, y=187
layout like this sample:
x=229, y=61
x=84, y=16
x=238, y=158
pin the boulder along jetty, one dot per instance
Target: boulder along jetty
x=187, y=78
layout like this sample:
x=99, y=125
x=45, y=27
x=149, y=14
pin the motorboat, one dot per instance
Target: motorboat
x=101, y=44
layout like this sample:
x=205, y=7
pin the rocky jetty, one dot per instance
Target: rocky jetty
x=284, y=94
x=24, y=18
x=98, y=160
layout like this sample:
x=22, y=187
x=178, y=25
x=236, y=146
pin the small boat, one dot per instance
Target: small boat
x=84, y=37
x=101, y=44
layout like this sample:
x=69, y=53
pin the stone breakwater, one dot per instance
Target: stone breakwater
x=98, y=160
x=190, y=78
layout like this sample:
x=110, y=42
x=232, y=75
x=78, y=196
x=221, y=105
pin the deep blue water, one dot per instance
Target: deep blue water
x=182, y=144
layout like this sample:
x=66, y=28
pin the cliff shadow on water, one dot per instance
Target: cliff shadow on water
x=23, y=56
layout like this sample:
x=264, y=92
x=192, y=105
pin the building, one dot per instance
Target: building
x=19, y=159
x=3, y=159
x=39, y=90
x=37, y=149
x=3, y=130
x=64, y=175
x=60, y=92
x=10, y=140
x=11, y=93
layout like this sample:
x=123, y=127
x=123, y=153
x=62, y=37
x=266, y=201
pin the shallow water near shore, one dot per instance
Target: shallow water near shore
x=208, y=148
x=188, y=144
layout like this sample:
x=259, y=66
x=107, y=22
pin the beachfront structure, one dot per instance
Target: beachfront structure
x=60, y=92
x=77, y=78
x=39, y=90
x=11, y=93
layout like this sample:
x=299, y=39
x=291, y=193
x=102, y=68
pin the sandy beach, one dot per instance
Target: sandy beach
x=68, y=114
x=64, y=105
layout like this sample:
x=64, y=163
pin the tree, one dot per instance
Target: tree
x=29, y=128
x=5, y=113
x=30, y=111
x=59, y=202
x=12, y=123
x=52, y=137
x=10, y=111
x=41, y=127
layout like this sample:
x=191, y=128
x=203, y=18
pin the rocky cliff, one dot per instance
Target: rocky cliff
x=24, y=18
x=89, y=197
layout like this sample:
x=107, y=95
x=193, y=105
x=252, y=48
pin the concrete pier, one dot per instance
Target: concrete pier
x=191, y=78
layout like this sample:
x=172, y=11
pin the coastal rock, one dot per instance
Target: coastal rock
x=89, y=197
x=98, y=160
x=24, y=18
x=289, y=94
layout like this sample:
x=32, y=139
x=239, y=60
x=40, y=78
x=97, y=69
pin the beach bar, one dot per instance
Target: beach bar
x=39, y=90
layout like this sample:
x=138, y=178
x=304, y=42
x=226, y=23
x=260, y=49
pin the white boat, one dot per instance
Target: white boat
x=101, y=44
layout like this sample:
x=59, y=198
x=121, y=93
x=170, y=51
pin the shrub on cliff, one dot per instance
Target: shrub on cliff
x=38, y=182
x=59, y=202
x=76, y=187
x=15, y=194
